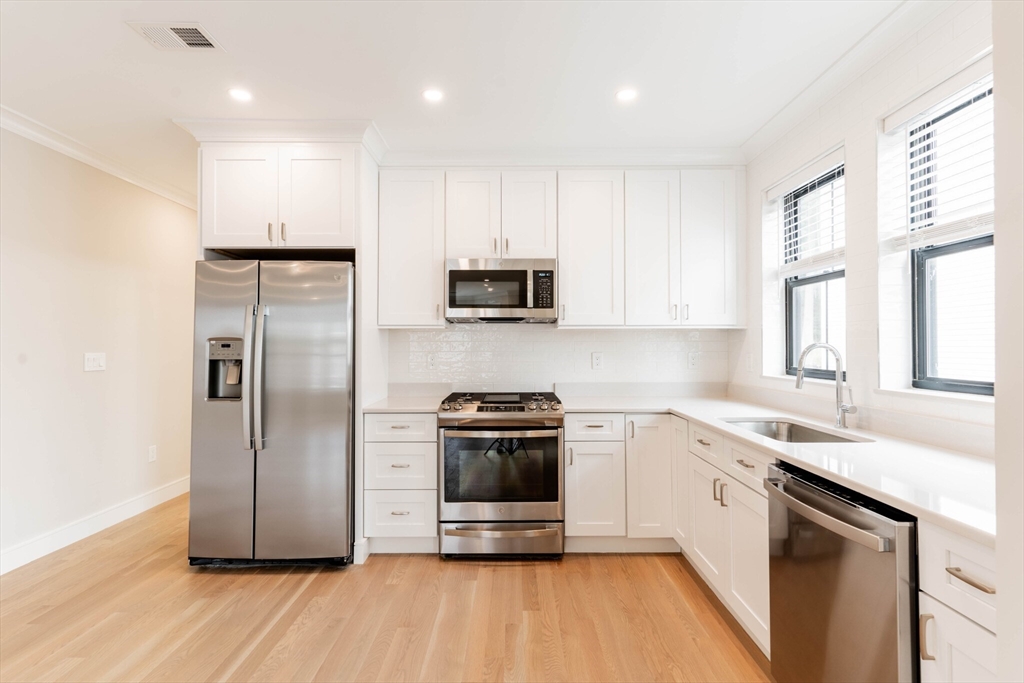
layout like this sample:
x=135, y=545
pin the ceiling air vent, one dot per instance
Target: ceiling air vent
x=178, y=36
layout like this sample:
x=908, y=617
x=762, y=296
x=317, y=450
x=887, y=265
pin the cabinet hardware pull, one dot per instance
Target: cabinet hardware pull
x=270, y=232
x=399, y=426
x=714, y=489
x=284, y=233
x=745, y=464
x=721, y=495
x=922, y=632
x=632, y=430
x=702, y=442
x=401, y=466
x=970, y=580
x=593, y=426
x=400, y=513
x=570, y=457
x=495, y=245
x=686, y=312
x=506, y=246
x=675, y=311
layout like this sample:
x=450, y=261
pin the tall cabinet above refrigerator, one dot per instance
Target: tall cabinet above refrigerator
x=272, y=409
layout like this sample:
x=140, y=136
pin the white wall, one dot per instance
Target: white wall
x=88, y=262
x=850, y=118
x=533, y=357
x=1008, y=55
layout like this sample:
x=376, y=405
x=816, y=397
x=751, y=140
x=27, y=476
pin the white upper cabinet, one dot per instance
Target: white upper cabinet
x=709, y=265
x=652, y=248
x=591, y=241
x=649, y=476
x=473, y=214
x=411, y=242
x=317, y=202
x=238, y=195
x=595, y=488
x=529, y=215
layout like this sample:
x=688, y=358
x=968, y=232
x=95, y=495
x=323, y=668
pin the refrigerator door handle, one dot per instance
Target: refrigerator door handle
x=250, y=311
x=257, y=377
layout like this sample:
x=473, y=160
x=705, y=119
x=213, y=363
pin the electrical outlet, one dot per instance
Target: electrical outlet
x=750, y=362
x=430, y=361
x=596, y=361
x=95, y=362
x=152, y=453
x=693, y=360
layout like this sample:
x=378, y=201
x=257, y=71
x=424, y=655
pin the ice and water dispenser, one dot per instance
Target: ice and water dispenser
x=224, y=378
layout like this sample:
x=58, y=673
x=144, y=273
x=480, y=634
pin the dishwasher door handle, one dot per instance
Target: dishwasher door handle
x=865, y=538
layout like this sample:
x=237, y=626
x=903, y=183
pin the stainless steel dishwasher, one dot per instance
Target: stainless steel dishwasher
x=843, y=571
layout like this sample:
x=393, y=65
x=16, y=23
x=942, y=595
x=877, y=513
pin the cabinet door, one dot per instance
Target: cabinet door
x=529, y=214
x=649, y=476
x=681, y=484
x=317, y=195
x=595, y=489
x=411, y=239
x=238, y=201
x=707, y=522
x=472, y=225
x=652, y=248
x=746, y=560
x=591, y=241
x=708, y=210
x=963, y=651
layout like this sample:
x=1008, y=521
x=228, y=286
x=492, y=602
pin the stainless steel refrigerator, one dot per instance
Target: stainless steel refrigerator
x=272, y=406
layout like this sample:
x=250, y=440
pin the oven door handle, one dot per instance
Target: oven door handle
x=527, y=434
x=515, y=533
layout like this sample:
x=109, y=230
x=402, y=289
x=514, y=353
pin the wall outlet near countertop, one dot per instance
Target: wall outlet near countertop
x=596, y=361
x=95, y=362
x=152, y=453
x=693, y=360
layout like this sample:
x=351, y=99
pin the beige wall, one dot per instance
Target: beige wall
x=88, y=262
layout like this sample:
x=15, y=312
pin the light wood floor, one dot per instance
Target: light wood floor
x=125, y=605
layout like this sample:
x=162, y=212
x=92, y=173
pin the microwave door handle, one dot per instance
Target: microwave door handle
x=250, y=311
x=257, y=383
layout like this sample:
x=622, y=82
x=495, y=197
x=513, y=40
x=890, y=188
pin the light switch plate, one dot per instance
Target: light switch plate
x=95, y=362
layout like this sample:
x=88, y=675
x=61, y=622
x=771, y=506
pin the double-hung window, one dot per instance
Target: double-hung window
x=813, y=255
x=950, y=186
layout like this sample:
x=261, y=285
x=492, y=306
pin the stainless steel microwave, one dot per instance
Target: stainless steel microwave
x=500, y=291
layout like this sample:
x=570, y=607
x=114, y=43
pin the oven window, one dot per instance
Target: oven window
x=501, y=470
x=487, y=289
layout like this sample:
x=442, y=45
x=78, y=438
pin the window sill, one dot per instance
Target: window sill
x=791, y=380
x=933, y=395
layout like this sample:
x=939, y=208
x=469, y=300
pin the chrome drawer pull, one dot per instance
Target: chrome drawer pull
x=702, y=442
x=594, y=426
x=714, y=490
x=923, y=636
x=400, y=513
x=747, y=465
x=399, y=426
x=969, y=580
x=721, y=496
x=401, y=466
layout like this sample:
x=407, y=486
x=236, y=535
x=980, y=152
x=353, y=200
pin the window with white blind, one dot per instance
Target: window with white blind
x=950, y=188
x=813, y=255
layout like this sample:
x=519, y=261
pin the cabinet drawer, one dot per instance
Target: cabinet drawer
x=400, y=465
x=748, y=466
x=959, y=650
x=594, y=427
x=949, y=564
x=400, y=427
x=708, y=445
x=400, y=513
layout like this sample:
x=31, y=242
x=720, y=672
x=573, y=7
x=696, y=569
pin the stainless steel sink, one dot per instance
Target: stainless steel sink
x=790, y=431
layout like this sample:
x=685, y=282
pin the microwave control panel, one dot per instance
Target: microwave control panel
x=543, y=289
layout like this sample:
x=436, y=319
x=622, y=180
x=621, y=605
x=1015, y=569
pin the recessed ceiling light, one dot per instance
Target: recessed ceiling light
x=433, y=95
x=240, y=95
x=626, y=95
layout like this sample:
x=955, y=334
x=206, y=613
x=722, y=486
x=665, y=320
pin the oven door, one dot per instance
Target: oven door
x=501, y=475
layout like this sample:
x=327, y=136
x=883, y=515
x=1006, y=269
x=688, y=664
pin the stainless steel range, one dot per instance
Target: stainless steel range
x=500, y=457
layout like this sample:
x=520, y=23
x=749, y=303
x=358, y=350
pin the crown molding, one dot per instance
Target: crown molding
x=19, y=124
x=898, y=26
x=563, y=158
x=359, y=131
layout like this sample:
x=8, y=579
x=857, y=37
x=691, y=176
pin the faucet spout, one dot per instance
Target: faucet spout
x=841, y=408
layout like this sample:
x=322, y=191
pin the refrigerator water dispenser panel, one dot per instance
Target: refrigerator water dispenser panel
x=224, y=378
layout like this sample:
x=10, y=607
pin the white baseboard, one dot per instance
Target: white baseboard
x=33, y=549
x=427, y=545
x=619, y=544
x=360, y=551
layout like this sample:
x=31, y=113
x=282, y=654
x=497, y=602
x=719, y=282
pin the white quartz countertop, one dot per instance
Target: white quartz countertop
x=954, y=490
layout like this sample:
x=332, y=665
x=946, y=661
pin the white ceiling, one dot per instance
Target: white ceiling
x=518, y=76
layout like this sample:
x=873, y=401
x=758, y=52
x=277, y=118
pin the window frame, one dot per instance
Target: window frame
x=920, y=305
x=792, y=283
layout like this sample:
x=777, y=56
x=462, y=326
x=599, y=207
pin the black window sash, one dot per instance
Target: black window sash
x=792, y=354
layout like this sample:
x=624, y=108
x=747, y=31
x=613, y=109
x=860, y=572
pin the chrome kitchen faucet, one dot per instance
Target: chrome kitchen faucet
x=841, y=408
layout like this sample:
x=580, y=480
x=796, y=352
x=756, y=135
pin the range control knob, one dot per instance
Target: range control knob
x=556, y=406
x=544, y=406
x=532, y=406
x=458, y=406
x=445, y=406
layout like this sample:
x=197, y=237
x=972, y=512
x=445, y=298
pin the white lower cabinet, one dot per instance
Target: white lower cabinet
x=954, y=649
x=400, y=513
x=708, y=530
x=595, y=488
x=649, y=476
x=681, y=484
